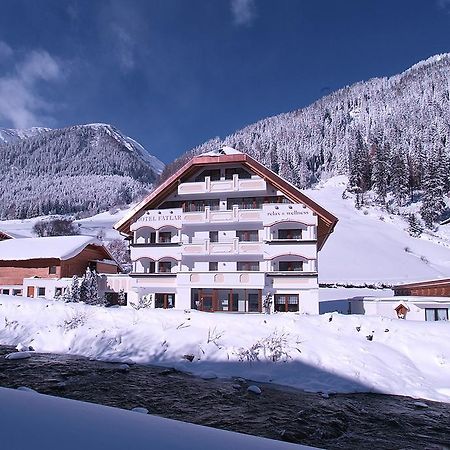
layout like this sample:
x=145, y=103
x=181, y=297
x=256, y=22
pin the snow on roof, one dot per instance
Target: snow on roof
x=55, y=247
x=222, y=151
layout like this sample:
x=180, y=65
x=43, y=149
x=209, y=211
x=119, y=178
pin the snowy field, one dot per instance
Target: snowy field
x=327, y=353
x=372, y=246
x=31, y=420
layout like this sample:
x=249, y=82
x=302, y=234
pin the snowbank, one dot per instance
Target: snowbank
x=327, y=353
x=31, y=420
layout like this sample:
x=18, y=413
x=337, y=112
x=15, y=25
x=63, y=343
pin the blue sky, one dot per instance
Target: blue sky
x=174, y=73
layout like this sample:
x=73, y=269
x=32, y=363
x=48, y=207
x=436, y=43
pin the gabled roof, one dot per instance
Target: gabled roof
x=227, y=155
x=55, y=247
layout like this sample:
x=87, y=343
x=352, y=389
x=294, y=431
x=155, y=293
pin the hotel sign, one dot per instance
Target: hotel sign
x=288, y=212
x=158, y=218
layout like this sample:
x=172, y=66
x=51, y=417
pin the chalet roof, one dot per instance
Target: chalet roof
x=55, y=247
x=226, y=155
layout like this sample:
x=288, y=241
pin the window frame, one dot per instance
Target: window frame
x=286, y=302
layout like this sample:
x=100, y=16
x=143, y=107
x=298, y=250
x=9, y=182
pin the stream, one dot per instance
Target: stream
x=342, y=421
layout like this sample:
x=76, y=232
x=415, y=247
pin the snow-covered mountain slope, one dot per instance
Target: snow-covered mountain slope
x=281, y=348
x=84, y=168
x=371, y=246
x=9, y=135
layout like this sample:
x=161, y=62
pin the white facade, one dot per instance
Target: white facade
x=403, y=307
x=226, y=239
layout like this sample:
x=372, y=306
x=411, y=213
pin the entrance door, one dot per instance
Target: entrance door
x=30, y=291
x=207, y=302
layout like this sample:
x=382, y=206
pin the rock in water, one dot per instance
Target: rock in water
x=254, y=389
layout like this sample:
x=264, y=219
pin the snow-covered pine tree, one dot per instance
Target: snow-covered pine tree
x=415, y=228
x=433, y=186
x=380, y=172
x=399, y=177
x=89, y=288
x=360, y=170
x=72, y=293
x=122, y=298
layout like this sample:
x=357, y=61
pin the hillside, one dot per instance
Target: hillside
x=371, y=246
x=391, y=135
x=84, y=168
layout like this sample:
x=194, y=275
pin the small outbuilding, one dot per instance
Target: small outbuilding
x=49, y=258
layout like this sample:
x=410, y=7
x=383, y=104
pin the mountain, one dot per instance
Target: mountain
x=389, y=135
x=80, y=169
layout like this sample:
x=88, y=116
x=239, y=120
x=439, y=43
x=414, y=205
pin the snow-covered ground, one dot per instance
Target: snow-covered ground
x=31, y=420
x=372, y=246
x=100, y=225
x=324, y=353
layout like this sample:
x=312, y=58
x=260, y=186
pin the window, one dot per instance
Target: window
x=253, y=302
x=165, y=267
x=288, y=266
x=252, y=266
x=286, y=302
x=41, y=292
x=290, y=234
x=165, y=301
x=248, y=235
x=17, y=292
x=5, y=291
x=52, y=270
x=213, y=266
x=144, y=266
x=241, y=173
x=58, y=291
x=214, y=236
x=165, y=237
x=435, y=314
x=214, y=175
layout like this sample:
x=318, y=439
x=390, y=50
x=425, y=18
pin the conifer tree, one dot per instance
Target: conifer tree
x=415, y=228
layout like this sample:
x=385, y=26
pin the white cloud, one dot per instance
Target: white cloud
x=21, y=106
x=244, y=11
x=5, y=51
x=125, y=47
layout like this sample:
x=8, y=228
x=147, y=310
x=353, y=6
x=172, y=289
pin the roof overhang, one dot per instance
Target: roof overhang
x=326, y=220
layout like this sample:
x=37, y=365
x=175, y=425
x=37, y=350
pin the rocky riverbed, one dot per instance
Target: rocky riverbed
x=341, y=421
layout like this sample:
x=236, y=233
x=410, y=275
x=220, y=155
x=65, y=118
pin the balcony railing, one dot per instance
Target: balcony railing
x=217, y=248
x=233, y=185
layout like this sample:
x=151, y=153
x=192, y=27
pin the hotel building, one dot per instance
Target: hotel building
x=224, y=233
